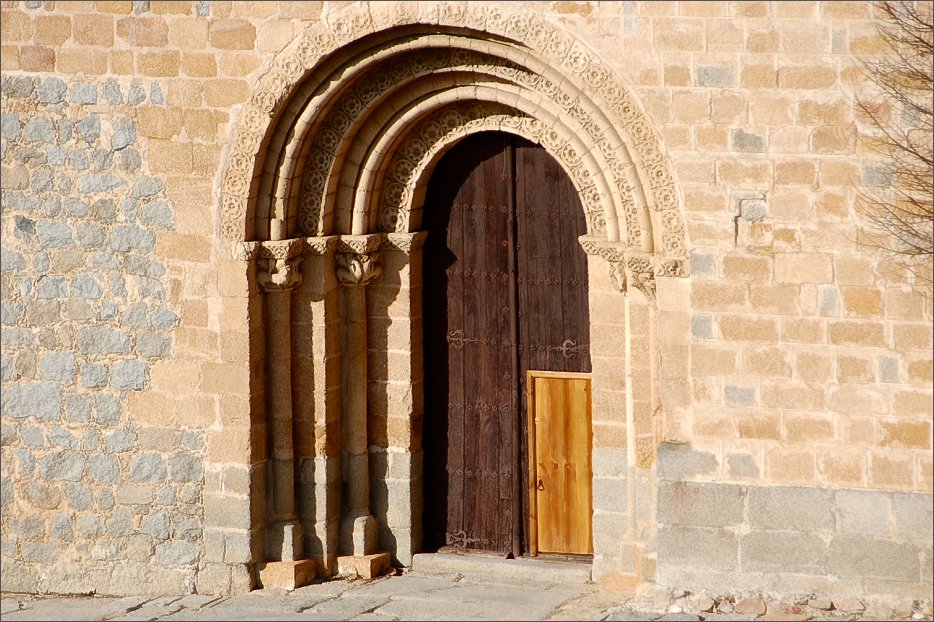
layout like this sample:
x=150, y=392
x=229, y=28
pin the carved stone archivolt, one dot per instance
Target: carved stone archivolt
x=367, y=134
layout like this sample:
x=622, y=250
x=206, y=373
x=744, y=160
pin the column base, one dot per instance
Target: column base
x=288, y=574
x=364, y=566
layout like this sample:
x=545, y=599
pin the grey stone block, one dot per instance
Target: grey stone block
x=153, y=346
x=91, y=439
x=42, y=400
x=10, y=125
x=164, y=319
x=702, y=326
x=888, y=369
x=104, y=468
x=89, y=128
x=610, y=494
x=42, y=181
x=682, y=461
x=863, y=511
x=131, y=237
x=913, y=516
x=41, y=495
x=700, y=504
x=93, y=375
x=720, y=75
x=147, y=187
x=129, y=160
x=99, y=182
x=90, y=526
x=697, y=546
x=51, y=286
x=39, y=551
x=64, y=465
x=156, y=524
x=156, y=214
x=147, y=467
x=166, y=495
x=112, y=92
x=136, y=94
x=742, y=466
x=177, y=552
x=60, y=437
x=124, y=133
x=87, y=287
x=26, y=461
x=102, y=340
x=84, y=93
x=39, y=129
x=791, y=507
x=868, y=556
x=128, y=375
x=610, y=463
x=58, y=366
x=10, y=312
x=119, y=441
x=783, y=551
x=62, y=527
x=108, y=409
x=156, y=96
x=186, y=468
x=747, y=142
x=54, y=234
x=28, y=527
x=743, y=396
x=80, y=496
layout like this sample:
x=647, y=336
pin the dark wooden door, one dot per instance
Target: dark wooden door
x=505, y=291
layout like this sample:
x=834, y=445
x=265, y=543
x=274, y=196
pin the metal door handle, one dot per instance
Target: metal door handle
x=541, y=484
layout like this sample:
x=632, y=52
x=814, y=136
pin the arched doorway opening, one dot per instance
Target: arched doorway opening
x=505, y=292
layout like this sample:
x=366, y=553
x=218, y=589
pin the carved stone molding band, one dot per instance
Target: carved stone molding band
x=405, y=242
x=358, y=268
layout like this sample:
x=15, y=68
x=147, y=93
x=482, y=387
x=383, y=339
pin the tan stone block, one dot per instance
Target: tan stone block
x=15, y=26
x=678, y=137
x=806, y=77
x=194, y=313
x=685, y=35
x=188, y=33
x=300, y=10
x=619, y=582
x=748, y=8
x=743, y=171
x=806, y=37
x=852, y=270
x=835, y=112
x=174, y=376
x=93, y=29
x=117, y=7
x=728, y=108
x=843, y=466
x=198, y=65
x=758, y=76
x=725, y=35
x=900, y=433
x=791, y=205
x=712, y=361
x=891, y=469
x=902, y=304
x=704, y=199
x=763, y=41
x=609, y=435
x=143, y=31
x=287, y=575
x=159, y=122
x=747, y=268
x=196, y=411
x=677, y=75
x=869, y=45
x=834, y=205
x=848, y=10
x=274, y=35
x=239, y=65
x=205, y=159
x=714, y=423
x=717, y=295
x=36, y=58
x=695, y=170
x=839, y=173
x=788, y=140
x=364, y=566
x=802, y=330
x=790, y=465
x=803, y=268
x=793, y=397
x=745, y=328
x=854, y=369
x=796, y=172
x=712, y=137
x=925, y=471
x=913, y=403
x=232, y=34
x=808, y=429
x=152, y=409
x=171, y=245
x=690, y=106
x=50, y=29
x=814, y=367
x=858, y=431
x=858, y=398
x=225, y=378
x=259, y=8
x=921, y=371
x=833, y=139
x=862, y=301
x=122, y=62
x=171, y=7
x=912, y=337
x=9, y=58
x=169, y=157
x=224, y=93
x=162, y=64
x=768, y=361
x=856, y=333
x=769, y=109
x=783, y=299
x=186, y=93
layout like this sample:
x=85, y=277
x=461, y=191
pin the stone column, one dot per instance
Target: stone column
x=278, y=275
x=357, y=263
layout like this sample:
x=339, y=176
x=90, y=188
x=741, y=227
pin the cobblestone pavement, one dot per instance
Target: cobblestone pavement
x=451, y=597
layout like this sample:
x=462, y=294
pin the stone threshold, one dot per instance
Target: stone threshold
x=525, y=570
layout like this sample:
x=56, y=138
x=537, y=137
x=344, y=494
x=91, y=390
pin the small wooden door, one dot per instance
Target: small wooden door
x=559, y=471
x=505, y=291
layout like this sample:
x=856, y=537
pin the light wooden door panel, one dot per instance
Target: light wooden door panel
x=559, y=473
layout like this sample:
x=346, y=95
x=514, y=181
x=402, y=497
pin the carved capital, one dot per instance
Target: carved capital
x=277, y=275
x=641, y=275
x=358, y=268
x=244, y=251
x=359, y=244
x=405, y=242
x=322, y=245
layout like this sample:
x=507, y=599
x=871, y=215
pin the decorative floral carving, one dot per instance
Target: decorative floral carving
x=276, y=275
x=358, y=268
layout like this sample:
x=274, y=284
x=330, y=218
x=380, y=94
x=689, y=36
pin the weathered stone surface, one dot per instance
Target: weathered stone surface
x=677, y=461
x=42, y=400
x=804, y=509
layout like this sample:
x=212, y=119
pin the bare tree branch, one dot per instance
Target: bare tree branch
x=900, y=114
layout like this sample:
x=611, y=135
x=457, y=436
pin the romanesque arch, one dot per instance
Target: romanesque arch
x=322, y=195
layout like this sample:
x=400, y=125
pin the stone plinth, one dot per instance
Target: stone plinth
x=288, y=574
x=365, y=566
